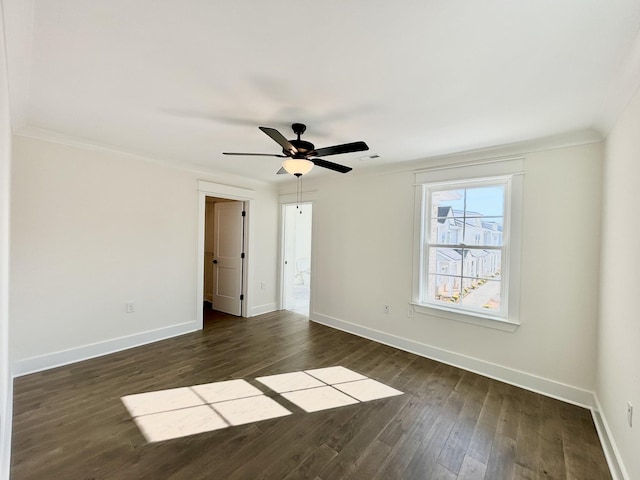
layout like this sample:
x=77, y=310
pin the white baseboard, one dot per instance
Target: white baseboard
x=85, y=352
x=611, y=452
x=544, y=386
x=5, y=434
x=260, y=309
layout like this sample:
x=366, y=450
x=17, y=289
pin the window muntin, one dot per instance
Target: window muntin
x=464, y=261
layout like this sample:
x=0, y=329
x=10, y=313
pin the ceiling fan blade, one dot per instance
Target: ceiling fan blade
x=277, y=136
x=330, y=165
x=255, y=154
x=344, y=148
x=281, y=171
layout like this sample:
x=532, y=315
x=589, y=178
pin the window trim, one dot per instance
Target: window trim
x=474, y=173
x=427, y=190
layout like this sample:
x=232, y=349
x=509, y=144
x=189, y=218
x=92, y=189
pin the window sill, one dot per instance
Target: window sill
x=467, y=317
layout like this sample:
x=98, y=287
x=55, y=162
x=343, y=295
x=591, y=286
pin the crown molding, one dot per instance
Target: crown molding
x=621, y=90
x=50, y=136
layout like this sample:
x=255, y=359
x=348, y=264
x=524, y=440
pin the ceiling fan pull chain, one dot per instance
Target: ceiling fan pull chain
x=299, y=192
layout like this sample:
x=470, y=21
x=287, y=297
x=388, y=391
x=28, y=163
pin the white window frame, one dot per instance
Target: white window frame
x=509, y=171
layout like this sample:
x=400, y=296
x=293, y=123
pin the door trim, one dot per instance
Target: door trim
x=288, y=199
x=210, y=189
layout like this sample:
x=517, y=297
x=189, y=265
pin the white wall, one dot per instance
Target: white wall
x=363, y=244
x=619, y=326
x=6, y=397
x=94, y=230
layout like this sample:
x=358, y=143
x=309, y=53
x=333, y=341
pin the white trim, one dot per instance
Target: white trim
x=534, y=383
x=481, y=155
x=7, y=115
x=542, y=144
x=86, y=352
x=466, y=317
x=210, y=189
x=290, y=199
x=511, y=168
x=51, y=136
x=260, y=309
x=611, y=452
x=621, y=90
x=463, y=171
x=6, y=433
x=306, y=197
x=467, y=164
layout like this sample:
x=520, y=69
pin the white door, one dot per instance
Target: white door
x=296, y=271
x=227, y=257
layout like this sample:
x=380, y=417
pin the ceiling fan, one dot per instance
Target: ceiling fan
x=301, y=155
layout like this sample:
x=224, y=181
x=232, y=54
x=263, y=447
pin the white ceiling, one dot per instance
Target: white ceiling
x=185, y=80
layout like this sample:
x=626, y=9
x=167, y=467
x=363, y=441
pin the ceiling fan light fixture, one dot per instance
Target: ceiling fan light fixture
x=297, y=166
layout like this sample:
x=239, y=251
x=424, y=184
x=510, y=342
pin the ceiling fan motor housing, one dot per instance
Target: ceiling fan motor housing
x=298, y=128
x=304, y=149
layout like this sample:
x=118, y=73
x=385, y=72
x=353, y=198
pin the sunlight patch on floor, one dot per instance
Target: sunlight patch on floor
x=157, y=427
x=321, y=398
x=179, y=412
x=367, y=390
x=287, y=382
x=248, y=410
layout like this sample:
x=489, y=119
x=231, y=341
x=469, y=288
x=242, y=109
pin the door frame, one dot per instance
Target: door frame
x=210, y=189
x=228, y=222
x=290, y=199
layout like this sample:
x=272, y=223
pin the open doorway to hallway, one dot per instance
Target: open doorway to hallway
x=224, y=253
x=296, y=269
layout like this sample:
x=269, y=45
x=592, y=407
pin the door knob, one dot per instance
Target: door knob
x=215, y=261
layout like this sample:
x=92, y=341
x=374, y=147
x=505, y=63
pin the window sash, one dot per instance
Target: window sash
x=428, y=216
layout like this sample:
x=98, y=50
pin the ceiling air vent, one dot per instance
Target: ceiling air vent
x=371, y=156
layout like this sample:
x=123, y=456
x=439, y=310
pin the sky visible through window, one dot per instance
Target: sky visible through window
x=488, y=201
x=459, y=275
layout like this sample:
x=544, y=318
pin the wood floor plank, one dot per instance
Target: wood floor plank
x=485, y=429
x=551, y=463
x=521, y=472
x=398, y=459
x=377, y=415
x=70, y=422
x=368, y=463
x=575, y=427
x=528, y=439
x=471, y=469
x=455, y=449
x=424, y=463
x=317, y=459
x=501, y=461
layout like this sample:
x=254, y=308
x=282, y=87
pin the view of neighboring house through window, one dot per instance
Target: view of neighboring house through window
x=464, y=242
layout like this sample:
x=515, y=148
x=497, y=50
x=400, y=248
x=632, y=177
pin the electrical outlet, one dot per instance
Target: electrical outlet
x=410, y=311
x=263, y=285
x=385, y=309
x=630, y=414
x=131, y=307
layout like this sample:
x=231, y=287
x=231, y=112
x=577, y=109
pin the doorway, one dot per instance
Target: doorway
x=224, y=240
x=296, y=248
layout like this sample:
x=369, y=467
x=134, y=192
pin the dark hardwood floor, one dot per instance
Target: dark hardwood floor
x=69, y=423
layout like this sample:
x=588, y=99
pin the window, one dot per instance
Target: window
x=473, y=267
x=467, y=258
